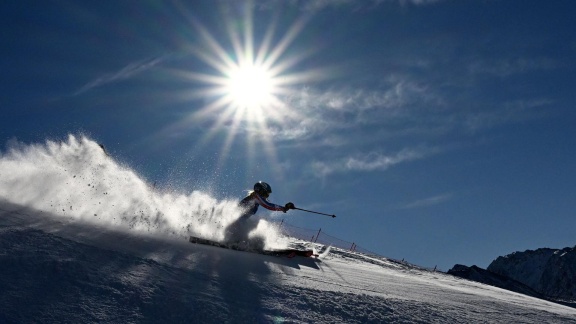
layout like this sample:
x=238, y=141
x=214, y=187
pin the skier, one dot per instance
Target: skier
x=237, y=231
x=258, y=197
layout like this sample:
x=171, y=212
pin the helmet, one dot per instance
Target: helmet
x=262, y=188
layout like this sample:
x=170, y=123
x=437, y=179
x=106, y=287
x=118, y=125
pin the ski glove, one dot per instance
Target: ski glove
x=289, y=206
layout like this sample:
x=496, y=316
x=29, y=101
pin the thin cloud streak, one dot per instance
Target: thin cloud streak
x=381, y=162
x=338, y=110
x=317, y=5
x=426, y=202
x=124, y=73
x=372, y=161
x=421, y=107
x=507, y=67
x=508, y=112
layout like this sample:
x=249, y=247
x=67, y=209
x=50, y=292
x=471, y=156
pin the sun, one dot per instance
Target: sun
x=243, y=86
x=250, y=77
x=250, y=86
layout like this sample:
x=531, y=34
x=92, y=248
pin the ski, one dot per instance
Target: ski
x=198, y=240
x=289, y=253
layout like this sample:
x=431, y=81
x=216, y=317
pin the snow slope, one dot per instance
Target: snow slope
x=55, y=270
x=85, y=239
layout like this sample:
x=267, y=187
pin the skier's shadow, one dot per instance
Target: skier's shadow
x=296, y=262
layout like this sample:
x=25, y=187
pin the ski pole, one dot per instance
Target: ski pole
x=314, y=212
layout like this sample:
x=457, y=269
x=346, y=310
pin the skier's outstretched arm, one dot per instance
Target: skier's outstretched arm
x=271, y=206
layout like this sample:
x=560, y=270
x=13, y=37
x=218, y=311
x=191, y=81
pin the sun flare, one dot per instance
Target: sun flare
x=246, y=85
x=250, y=86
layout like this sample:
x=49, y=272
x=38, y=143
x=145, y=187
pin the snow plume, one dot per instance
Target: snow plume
x=76, y=180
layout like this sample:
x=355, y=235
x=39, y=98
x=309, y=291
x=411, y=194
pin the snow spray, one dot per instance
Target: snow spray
x=76, y=180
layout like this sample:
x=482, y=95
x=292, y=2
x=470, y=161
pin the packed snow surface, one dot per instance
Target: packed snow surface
x=83, y=239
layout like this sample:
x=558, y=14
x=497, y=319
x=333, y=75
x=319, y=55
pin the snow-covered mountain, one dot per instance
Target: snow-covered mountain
x=551, y=272
x=84, y=239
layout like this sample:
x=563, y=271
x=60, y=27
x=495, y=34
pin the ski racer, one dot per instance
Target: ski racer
x=258, y=197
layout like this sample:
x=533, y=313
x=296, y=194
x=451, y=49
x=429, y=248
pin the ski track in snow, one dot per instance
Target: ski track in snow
x=83, y=239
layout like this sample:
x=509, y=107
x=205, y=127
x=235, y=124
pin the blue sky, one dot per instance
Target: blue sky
x=440, y=132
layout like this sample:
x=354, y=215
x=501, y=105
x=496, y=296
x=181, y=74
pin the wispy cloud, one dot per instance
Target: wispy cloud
x=395, y=92
x=372, y=161
x=508, y=112
x=507, y=67
x=317, y=5
x=322, y=113
x=419, y=2
x=396, y=95
x=430, y=201
x=400, y=107
x=124, y=73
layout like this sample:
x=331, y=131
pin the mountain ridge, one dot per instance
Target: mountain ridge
x=544, y=273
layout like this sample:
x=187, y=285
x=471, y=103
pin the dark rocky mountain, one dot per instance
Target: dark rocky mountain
x=478, y=274
x=543, y=273
x=551, y=272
